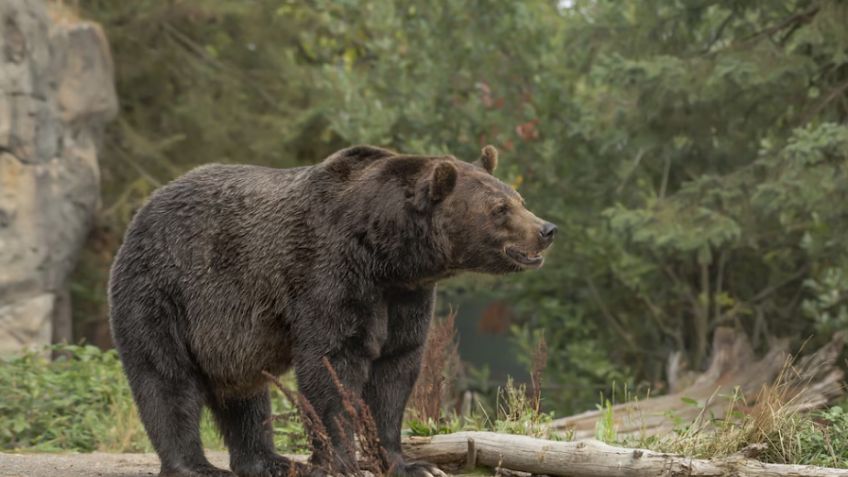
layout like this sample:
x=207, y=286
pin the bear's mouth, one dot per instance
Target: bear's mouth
x=525, y=259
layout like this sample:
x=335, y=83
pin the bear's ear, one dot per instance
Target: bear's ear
x=488, y=159
x=442, y=181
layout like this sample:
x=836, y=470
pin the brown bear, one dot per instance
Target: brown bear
x=232, y=270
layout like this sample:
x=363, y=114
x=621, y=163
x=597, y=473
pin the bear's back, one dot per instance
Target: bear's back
x=214, y=220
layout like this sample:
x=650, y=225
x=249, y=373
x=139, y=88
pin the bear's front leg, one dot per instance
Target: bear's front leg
x=388, y=389
x=317, y=386
x=393, y=375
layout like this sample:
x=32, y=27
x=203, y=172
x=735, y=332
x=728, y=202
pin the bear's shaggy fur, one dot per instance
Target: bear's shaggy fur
x=232, y=270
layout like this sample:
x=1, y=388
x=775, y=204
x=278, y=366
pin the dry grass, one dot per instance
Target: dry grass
x=773, y=428
x=361, y=424
x=538, y=362
x=439, y=368
x=319, y=439
x=360, y=441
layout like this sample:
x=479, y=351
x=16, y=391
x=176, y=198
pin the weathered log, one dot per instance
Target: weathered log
x=589, y=458
x=807, y=383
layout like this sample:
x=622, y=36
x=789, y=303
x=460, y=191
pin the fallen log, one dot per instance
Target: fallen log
x=810, y=382
x=588, y=458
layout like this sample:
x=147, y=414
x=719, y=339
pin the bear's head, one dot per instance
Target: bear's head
x=486, y=222
x=419, y=217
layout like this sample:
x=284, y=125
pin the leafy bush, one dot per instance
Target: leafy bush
x=81, y=401
x=823, y=440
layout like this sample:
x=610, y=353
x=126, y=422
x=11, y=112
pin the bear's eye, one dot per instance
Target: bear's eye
x=500, y=210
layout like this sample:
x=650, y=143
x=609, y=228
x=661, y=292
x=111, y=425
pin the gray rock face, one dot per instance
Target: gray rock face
x=56, y=93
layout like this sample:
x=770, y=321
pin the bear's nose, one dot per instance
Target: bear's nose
x=548, y=231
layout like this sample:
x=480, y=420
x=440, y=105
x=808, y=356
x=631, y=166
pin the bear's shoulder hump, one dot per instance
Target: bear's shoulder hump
x=355, y=157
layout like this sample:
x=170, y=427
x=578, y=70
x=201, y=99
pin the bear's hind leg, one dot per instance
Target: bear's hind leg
x=246, y=427
x=170, y=408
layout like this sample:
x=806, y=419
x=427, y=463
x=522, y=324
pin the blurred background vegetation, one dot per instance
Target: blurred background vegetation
x=693, y=152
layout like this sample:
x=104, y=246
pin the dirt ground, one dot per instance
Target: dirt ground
x=96, y=464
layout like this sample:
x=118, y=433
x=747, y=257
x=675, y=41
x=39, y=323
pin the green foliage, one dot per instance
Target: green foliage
x=81, y=401
x=692, y=153
x=720, y=200
x=827, y=307
x=823, y=440
x=78, y=401
x=576, y=364
x=432, y=427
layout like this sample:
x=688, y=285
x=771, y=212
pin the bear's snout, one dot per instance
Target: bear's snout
x=547, y=232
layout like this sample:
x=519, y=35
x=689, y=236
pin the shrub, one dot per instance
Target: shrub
x=81, y=401
x=78, y=401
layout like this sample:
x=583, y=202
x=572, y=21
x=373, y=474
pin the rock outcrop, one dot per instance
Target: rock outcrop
x=56, y=93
